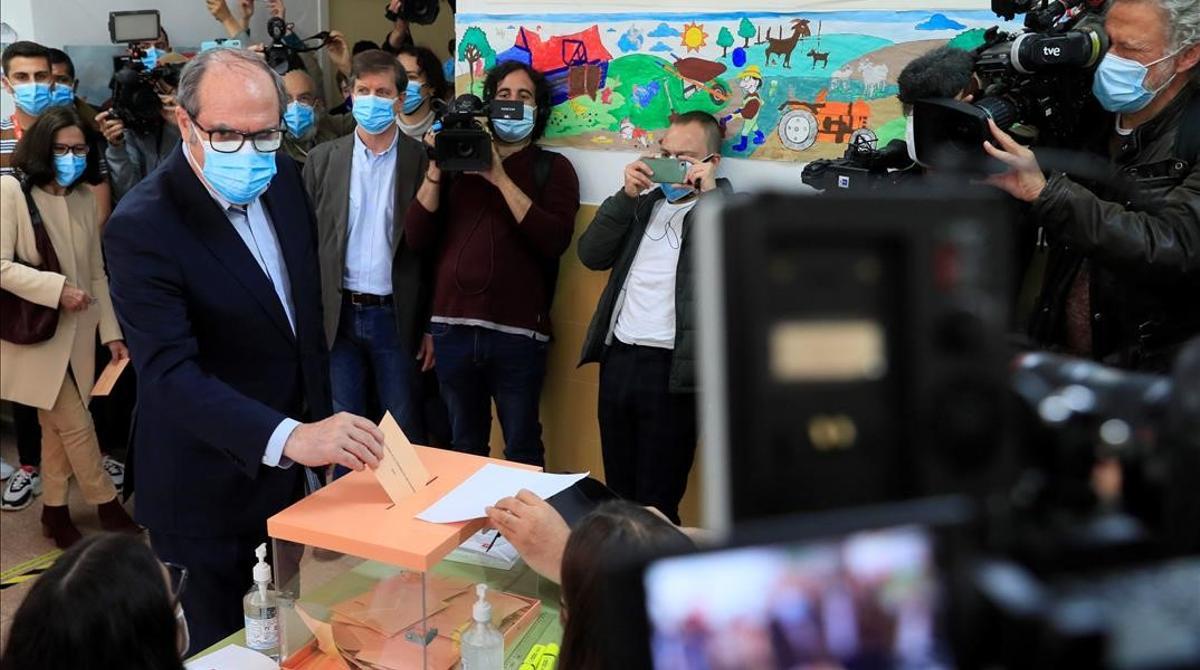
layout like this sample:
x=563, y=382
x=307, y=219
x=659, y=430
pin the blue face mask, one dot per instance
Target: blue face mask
x=448, y=69
x=62, y=96
x=413, y=97
x=32, y=98
x=515, y=130
x=150, y=60
x=238, y=177
x=68, y=169
x=675, y=192
x=1120, y=83
x=374, y=114
x=300, y=119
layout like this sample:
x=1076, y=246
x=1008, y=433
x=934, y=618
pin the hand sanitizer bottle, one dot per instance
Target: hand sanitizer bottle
x=261, y=607
x=482, y=643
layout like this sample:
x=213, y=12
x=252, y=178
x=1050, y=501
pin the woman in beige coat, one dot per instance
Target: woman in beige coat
x=56, y=375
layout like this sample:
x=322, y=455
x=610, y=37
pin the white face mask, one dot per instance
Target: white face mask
x=184, y=635
x=910, y=138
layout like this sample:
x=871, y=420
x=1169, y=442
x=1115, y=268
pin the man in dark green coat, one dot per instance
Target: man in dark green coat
x=643, y=332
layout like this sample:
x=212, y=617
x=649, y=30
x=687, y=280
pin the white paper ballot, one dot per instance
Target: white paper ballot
x=491, y=483
x=233, y=657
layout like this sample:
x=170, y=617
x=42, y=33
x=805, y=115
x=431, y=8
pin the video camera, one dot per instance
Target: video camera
x=136, y=88
x=283, y=57
x=463, y=145
x=423, y=12
x=862, y=167
x=1035, y=84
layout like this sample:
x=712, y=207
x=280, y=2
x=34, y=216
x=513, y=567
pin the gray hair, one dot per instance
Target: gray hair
x=187, y=95
x=1183, y=21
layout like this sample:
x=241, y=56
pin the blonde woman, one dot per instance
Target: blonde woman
x=56, y=375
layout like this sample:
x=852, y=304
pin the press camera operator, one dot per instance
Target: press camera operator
x=1123, y=272
x=133, y=154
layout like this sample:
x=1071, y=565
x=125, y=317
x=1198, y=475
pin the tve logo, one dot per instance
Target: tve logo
x=1052, y=52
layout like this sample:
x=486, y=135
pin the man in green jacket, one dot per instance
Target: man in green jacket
x=643, y=332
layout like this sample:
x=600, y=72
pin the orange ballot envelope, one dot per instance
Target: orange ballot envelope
x=108, y=378
x=400, y=471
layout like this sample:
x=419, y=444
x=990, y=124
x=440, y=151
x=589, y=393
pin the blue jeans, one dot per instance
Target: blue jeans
x=367, y=357
x=476, y=366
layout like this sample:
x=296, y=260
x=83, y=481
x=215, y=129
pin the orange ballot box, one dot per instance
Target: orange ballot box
x=363, y=583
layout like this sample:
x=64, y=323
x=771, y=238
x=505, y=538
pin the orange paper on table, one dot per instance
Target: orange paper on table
x=324, y=634
x=108, y=378
x=400, y=471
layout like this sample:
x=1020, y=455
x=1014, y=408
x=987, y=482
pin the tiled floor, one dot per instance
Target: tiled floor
x=21, y=536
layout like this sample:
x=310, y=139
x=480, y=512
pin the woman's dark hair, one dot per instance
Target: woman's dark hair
x=103, y=604
x=428, y=63
x=541, y=91
x=612, y=535
x=34, y=155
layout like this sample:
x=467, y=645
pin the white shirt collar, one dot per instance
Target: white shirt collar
x=362, y=146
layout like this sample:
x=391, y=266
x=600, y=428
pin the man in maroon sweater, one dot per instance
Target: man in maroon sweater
x=497, y=236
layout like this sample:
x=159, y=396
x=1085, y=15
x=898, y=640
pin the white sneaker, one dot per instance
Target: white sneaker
x=22, y=487
x=6, y=470
x=115, y=470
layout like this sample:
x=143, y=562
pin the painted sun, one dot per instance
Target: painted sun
x=694, y=37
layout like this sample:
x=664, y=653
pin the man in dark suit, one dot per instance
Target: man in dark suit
x=375, y=289
x=213, y=269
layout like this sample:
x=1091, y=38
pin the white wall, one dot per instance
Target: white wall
x=85, y=22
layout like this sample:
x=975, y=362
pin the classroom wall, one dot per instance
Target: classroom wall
x=364, y=20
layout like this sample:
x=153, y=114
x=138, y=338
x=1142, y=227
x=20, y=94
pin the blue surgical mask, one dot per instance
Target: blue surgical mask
x=1120, y=83
x=413, y=97
x=675, y=192
x=62, y=95
x=150, y=60
x=238, y=177
x=515, y=130
x=374, y=114
x=448, y=69
x=33, y=98
x=68, y=169
x=300, y=119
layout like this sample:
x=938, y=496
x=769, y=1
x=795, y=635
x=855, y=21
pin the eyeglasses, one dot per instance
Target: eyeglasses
x=231, y=141
x=79, y=150
x=178, y=581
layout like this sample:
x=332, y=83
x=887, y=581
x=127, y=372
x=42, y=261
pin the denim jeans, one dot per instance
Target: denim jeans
x=476, y=366
x=369, y=358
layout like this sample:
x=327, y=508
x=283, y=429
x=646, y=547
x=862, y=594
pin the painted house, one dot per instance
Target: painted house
x=575, y=64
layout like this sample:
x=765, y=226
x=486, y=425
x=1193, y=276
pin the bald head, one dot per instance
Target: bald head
x=226, y=89
x=300, y=87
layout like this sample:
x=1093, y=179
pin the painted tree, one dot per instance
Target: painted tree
x=746, y=31
x=473, y=48
x=725, y=40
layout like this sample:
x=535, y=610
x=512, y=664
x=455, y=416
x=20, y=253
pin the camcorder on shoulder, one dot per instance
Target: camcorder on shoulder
x=1035, y=84
x=283, y=57
x=135, y=87
x=463, y=144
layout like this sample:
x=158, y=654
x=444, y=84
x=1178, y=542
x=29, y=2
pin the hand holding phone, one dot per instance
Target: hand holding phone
x=667, y=170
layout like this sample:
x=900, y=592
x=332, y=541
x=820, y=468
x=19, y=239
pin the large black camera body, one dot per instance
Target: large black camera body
x=864, y=167
x=135, y=88
x=1035, y=84
x=422, y=12
x=463, y=145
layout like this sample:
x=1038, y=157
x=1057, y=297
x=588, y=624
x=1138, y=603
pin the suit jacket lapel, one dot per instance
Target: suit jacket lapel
x=341, y=163
x=212, y=227
x=408, y=179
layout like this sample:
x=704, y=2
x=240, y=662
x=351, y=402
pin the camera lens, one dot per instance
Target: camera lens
x=1002, y=110
x=464, y=150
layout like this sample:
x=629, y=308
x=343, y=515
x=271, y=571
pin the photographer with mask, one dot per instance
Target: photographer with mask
x=307, y=122
x=1123, y=272
x=426, y=83
x=497, y=236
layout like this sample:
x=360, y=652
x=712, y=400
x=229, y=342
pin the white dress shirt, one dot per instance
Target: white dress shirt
x=253, y=225
x=647, y=316
x=372, y=226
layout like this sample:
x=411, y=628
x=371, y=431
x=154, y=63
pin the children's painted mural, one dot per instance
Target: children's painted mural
x=788, y=86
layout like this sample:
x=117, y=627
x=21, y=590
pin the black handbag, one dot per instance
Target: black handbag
x=21, y=321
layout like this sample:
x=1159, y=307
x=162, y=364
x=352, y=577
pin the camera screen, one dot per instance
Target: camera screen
x=133, y=26
x=866, y=600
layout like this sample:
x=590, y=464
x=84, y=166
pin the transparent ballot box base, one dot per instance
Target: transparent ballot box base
x=341, y=611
